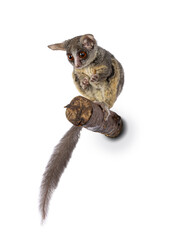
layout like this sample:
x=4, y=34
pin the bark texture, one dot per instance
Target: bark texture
x=88, y=114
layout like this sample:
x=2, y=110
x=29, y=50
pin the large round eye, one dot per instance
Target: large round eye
x=70, y=57
x=82, y=54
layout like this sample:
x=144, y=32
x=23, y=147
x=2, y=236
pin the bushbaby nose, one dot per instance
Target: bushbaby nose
x=77, y=63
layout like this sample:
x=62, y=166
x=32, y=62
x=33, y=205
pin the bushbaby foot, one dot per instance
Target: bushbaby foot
x=105, y=109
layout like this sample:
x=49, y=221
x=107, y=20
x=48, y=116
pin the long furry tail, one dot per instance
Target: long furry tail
x=56, y=165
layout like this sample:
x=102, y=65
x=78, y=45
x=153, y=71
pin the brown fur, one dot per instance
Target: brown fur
x=104, y=91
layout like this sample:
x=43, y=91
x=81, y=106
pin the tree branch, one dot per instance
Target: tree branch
x=88, y=114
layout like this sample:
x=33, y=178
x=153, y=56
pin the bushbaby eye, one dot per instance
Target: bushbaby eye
x=70, y=57
x=82, y=54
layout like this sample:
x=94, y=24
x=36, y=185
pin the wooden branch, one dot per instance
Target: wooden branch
x=85, y=113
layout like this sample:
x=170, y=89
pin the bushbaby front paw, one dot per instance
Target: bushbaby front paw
x=94, y=78
x=84, y=83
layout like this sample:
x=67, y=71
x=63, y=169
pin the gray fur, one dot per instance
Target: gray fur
x=56, y=165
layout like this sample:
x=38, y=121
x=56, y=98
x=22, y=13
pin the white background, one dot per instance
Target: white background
x=127, y=188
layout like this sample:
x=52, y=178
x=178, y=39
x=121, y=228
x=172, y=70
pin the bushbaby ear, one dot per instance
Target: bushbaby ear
x=88, y=41
x=58, y=46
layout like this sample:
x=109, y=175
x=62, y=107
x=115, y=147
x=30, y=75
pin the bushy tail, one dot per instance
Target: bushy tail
x=56, y=165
